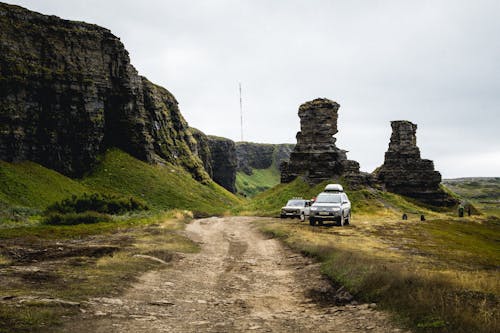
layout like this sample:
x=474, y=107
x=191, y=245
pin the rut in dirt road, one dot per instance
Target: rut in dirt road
x=240, y=281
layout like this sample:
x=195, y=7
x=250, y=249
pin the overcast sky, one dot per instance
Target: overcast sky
x=435, y=63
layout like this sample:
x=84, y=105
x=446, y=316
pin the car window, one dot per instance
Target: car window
x=295, y=203
x=328, y=198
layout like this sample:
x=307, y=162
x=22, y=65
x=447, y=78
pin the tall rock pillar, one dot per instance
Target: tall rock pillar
x=315, y=156
x=405, y=172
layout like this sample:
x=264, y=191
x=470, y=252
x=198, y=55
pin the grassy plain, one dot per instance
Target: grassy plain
x=441, y=275
x=482, y=192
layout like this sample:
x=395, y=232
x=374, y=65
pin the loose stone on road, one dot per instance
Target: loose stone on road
x=240, y=281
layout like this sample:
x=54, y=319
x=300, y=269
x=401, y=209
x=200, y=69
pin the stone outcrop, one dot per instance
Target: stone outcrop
x=223, y=161
x=315, y=155
x=405, y=172
x=202, y=150
x=68, y=92
x=261, y=155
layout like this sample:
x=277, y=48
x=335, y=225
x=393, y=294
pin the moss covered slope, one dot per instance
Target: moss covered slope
x=30, y=185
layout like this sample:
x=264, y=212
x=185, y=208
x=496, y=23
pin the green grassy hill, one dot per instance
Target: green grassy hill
x=483, y=193
x=259, y=181
x=364, y=201
x=27, y=188
x=163, y=187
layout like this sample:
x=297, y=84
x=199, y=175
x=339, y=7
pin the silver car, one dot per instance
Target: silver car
x=331, y=206
x=296, y=208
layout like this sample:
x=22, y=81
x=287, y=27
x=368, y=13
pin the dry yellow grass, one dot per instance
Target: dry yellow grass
x=437, y=276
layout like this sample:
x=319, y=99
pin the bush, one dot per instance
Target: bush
x=76, y=218
x=101, y=203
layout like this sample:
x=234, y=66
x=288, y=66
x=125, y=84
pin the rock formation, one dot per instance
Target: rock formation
x=261, y=155
x=224, y=162
x=315, y=155
x=404, y=172
x=202, y=150
x=68, y=92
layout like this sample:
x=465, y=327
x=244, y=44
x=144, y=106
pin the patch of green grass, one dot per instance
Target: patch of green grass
x=101, y=203
x=463, y=242
x=30, y=185
x=259, y=181
x=483, y=193
x=88, y=217
x=163, y=187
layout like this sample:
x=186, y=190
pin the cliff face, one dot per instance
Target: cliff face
x=202, y=150
x=260, y=155
x=224, y=162
x=316, y=156
x=404, y=172
x=68, y=92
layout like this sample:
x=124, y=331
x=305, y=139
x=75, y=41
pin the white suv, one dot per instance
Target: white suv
x=331, y=206
x=296, y=208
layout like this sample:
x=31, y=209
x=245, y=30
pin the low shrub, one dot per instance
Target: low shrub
x=101, y=203
x=88, y=217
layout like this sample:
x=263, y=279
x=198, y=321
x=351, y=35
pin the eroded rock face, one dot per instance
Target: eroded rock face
x=68, y=92
x=202, y=150
x=315, y=155
x=261, y=155
x=405, y=172
x=224, y=162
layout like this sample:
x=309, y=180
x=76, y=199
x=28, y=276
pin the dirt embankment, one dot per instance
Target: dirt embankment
x=240, y=281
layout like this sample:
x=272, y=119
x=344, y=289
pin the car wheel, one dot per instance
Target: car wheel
x=348, y=221
x=302, y=217
x=340, y=221
x=312, y=221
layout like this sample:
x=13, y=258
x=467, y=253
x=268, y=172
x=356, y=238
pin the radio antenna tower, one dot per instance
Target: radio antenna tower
x=241, y=113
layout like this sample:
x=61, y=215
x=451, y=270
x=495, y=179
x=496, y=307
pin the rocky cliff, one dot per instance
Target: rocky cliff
x=223, y=161
x=68, y=92
x=406, y=173
x=315, y=156
x=261, y=155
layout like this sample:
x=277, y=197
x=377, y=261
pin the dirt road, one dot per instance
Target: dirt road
x=240, y=281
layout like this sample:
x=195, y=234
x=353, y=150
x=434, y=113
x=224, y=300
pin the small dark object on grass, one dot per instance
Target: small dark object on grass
x=422, y=217
x=405, y=217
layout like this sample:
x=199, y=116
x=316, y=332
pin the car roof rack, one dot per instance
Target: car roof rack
x=334, y=188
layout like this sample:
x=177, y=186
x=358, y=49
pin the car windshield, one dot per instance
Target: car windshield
x=295, y=203
x=328, y=198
